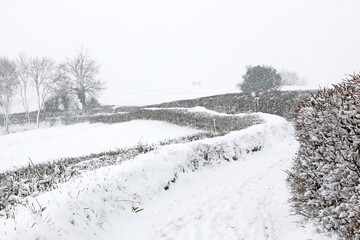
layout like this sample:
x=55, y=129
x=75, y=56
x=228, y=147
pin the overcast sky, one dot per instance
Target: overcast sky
x=162, y=44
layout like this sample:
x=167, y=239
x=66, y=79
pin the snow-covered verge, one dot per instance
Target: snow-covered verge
x=47, y=144
x=229, y=187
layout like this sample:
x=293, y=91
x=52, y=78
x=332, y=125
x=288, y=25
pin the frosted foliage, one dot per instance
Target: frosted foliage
x=325, y=179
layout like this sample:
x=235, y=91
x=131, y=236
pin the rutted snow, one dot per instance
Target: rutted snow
x=81, y=139
x=244, y=199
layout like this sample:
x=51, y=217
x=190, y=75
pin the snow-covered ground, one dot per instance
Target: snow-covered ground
x=208, y=197
x=47, y=144
x=239, y=200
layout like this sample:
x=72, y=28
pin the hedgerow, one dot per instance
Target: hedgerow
x=33, y=179
x=325, y=178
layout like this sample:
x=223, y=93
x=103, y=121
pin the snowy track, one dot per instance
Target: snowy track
x=239, y=200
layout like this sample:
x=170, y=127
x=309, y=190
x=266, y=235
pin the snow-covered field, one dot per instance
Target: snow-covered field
x=48, y=144
x=141, y=98
x=207, y=196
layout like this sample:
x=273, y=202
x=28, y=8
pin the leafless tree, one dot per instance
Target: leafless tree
x=44, y=74
x=82, y=73
x=289, y=78
x=8, y=87
x=22, y=70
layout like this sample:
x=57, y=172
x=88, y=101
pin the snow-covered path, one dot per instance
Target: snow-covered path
x=238, y=200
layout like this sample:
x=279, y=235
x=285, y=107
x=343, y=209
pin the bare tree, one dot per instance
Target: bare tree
x=22, y=69
x=82, y=73
x=62, y=97
x=8, y=88
x=44, y=74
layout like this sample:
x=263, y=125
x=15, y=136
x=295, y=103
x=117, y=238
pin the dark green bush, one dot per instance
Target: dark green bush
x=260, y=79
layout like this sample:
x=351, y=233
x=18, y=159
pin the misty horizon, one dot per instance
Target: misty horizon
x=145, y=47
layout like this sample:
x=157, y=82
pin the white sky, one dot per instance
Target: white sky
x=167, y=44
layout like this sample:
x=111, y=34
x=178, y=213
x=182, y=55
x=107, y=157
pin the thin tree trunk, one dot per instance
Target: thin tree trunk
x=25, y=105
x=39, y=109
x=4, y=123
x=28, y=116
x=38, y=119
x=6, y=118
x=7, y=131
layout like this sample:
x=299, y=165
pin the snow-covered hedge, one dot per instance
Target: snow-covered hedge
x=325, y=179
x=198, y=120
x=36, y=178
